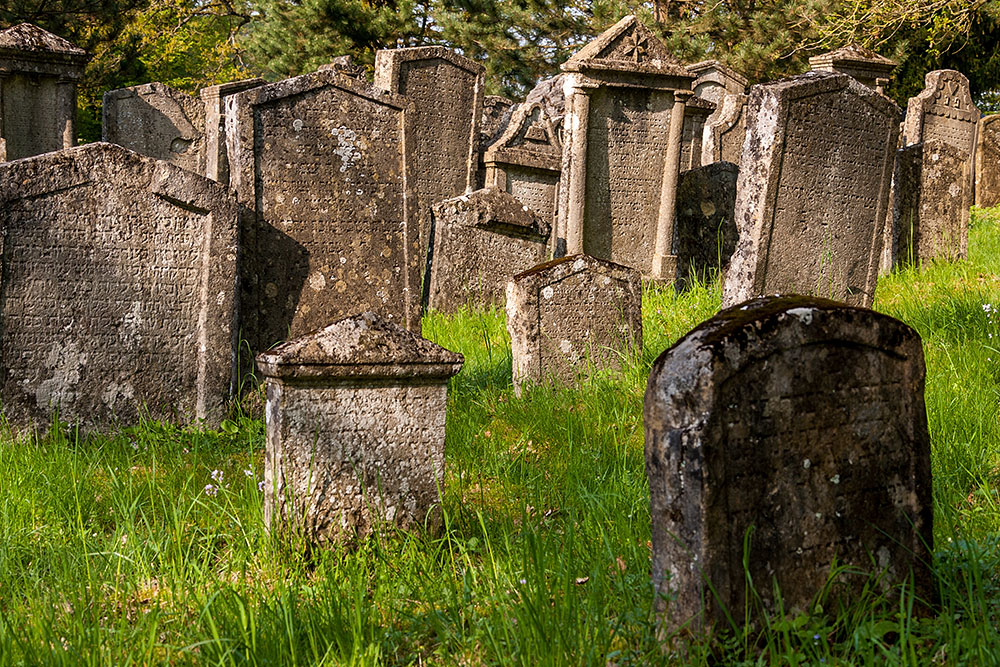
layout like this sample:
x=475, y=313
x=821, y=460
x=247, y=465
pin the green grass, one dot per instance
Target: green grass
x=112, y=552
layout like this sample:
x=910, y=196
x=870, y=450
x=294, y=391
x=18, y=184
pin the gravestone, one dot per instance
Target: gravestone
x=903, y=203
x=214, y=98
x=496, y=114
x=355, y=422
x=551, y=94
x=988, y=162
x=714, y=81
x=320, y=162
x=345, y=65
x=570, y=316
x=813, y=189
x=789, y=433
x=480, y=241
x=526, y=159
x=38, y=76
x=725, y=130
x=863, y=65
x=697, y=111
x=117, y=291
x=159, y=122
x=625, y=98
x=705, y=228
x=932, y=218
x=447, y=92
x=943, y=111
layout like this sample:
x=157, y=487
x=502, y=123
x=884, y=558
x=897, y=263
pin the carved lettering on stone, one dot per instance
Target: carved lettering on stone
x=943, y=111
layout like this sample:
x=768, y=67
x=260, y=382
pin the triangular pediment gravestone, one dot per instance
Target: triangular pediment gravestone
x=627, y=46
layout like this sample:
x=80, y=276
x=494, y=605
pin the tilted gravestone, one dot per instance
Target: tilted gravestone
x=788, y=434
x=570, y=316
x=705, y=228
x=625, y=98
x=943, y=111
x=321, y=161
x=117, y=290
x=725, y=130
x=715, y=80
x=863, y=65
x=480, y=241
x=355, y=422
x=526, y=159
x=214, y=98
x=932, y=211
x=988, y=162
x=38, y=76
x=697, y=111
x=157, y=121
x=447, y=92
x=813, y=189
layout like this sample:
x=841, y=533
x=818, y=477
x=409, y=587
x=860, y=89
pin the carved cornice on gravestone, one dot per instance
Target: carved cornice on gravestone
x=627, y=47
x=715, y=79
x=493, y=209
x=530, y=140
x=28, y=48
x=945, y=96
x=724, y=131
x=864, y=65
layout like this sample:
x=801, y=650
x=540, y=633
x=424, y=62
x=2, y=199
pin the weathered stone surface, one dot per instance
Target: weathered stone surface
x=903, y=196
x=38, y=75
x=696, y=113
x=933, y=218
x=322, y=162
x=625, y=97
x=988, y=161
x=570, y=316
x=705, y=228
x=813, y=189
x=355, y=423
x=797, y=426
x=526, y=160
x=480, y=241
x=159, y=122
x=496, y=114
x=863, y=65
x=715, y=80
x=725, y=130
x=447, y=92
x=551, y=94
x=118, y=289
x=345, y=65
x=943, y=111
x=214, y=98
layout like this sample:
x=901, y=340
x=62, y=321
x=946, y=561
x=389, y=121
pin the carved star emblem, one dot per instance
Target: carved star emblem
x=635, y=46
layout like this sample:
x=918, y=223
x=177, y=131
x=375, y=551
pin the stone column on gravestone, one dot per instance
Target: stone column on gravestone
x=578, y=106
x=664, y=262
x=214, y=98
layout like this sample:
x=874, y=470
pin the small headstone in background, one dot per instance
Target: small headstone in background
x=789, y=434
x=480, y=241
x=715, y=80
x=117, y=289
x=157, y=121
x=863, y=65
x=943, y=111
x=570, y=316
x=988, y=161
x=813, y=190
x=725, y=130
x=697, y=111
x=903, y=203
x=705, y=228
x=355, y=422
x=214, y=98
x=38, y=76
x=496, y=113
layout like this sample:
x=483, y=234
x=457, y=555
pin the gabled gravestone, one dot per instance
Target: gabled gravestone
x=863, y=65
x=525, y=161
x=322, y=163
x=705, y=228
x=447, y=93
x=813, y=189
x=159, y=122
x=38, y=76
x=988, y=161
x=790, y=434
x=480, y=241
x=117, y=290
x=725, y=130
x=625, y=97
x=355, y=422
x=570, y=316
x=214, y=98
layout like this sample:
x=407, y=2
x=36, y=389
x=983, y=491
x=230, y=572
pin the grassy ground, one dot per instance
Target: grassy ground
x=149, y=546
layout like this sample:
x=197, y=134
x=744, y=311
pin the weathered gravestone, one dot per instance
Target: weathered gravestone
x=714, y=81
x=214, y=98
x=725, y=130
x=813, y=189
x=789, y=434
x=321, y=161
x=697, y=111
x=447, y=92
x=526, y=160
x=355, y=423
x=931, y=211
x=625, y=97
x=988, y=161
x=157, y=121
x=903, y=195
x=570, y=316
x=863, y=65
x=480, y=241
x=345, y=65
x=117, y=290
x=943, y=111
x=38, y=76
x=705, y=229
x=496, y=113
